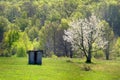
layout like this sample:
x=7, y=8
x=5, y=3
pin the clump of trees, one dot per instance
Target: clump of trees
x=40, y=24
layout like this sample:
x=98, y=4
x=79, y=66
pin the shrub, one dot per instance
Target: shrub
x=21, y=51
x=98, y=54
x=54, y=56
x=6, y=53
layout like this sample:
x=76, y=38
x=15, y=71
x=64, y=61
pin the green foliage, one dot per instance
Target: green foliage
x=64, y=24
x=10, y=37
x=117, y=48
x=98, y=54
x=109, y=11
x=45, y=21
x=3, y=23
x=54, y=56
x=13, y=49
x=42, y=37
x=21, y=46
x=2, y=9
x=3, y=26
x=18, y=50
x=21, y=50
x=29, y=8
x=22, y=23
x=36, y=44
x=12, y=13
x=109, y=34
x=6, y=53
x=54, y=15
x=33, y=33
x=24, y=39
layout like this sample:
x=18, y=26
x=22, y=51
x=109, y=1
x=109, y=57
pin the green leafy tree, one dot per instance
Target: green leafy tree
x=109, y=36
x=21, y=46
x=11, y=36
x=23, y=23
x=12, y=13
x=29, y=8
x=33, y=33
x=3, y=26
x=117, y=48
x=2, y=9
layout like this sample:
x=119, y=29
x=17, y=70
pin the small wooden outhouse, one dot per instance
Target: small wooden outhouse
x=35, y=57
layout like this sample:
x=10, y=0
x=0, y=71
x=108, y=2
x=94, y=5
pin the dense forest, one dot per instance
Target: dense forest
x=40, y=25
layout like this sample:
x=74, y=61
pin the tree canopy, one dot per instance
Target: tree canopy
x=41, y=24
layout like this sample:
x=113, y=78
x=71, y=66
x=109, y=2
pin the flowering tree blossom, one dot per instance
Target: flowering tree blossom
x=83, y=33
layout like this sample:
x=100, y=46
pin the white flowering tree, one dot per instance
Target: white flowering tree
x=83, y=33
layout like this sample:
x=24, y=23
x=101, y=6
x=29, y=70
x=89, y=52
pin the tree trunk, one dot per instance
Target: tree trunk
x=107, y=52
x=88, y=58
x=71, y=53
x=107, y=56
x=65, y=50
x=89, y=54
x=54, y=42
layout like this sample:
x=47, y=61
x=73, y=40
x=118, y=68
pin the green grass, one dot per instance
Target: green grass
x=58, y=69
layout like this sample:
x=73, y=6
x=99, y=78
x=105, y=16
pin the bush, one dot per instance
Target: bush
x=49, y=54
x=21, y=51
x=54, y=56
x=6, y=53
x=18, y=49
x=98, y=54
x=13, y=49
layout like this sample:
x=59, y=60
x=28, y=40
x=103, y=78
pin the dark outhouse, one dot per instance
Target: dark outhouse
x=35, y=57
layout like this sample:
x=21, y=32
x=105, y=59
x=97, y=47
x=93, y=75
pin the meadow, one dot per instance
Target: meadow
x=13, y=68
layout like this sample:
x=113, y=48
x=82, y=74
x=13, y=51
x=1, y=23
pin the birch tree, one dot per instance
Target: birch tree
x=83, y=33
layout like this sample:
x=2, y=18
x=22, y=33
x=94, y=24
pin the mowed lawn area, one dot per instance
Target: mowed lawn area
x=13, y=68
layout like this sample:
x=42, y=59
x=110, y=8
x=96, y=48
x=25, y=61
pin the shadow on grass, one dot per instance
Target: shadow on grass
x=79, y=62
x=82, y=65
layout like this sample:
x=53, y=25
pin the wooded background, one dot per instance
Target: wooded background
x=40, y=24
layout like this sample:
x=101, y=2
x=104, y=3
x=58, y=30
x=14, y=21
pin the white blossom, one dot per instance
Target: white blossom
x=84, y=32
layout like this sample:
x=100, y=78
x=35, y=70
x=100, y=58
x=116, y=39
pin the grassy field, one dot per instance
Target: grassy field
x=58, y=69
